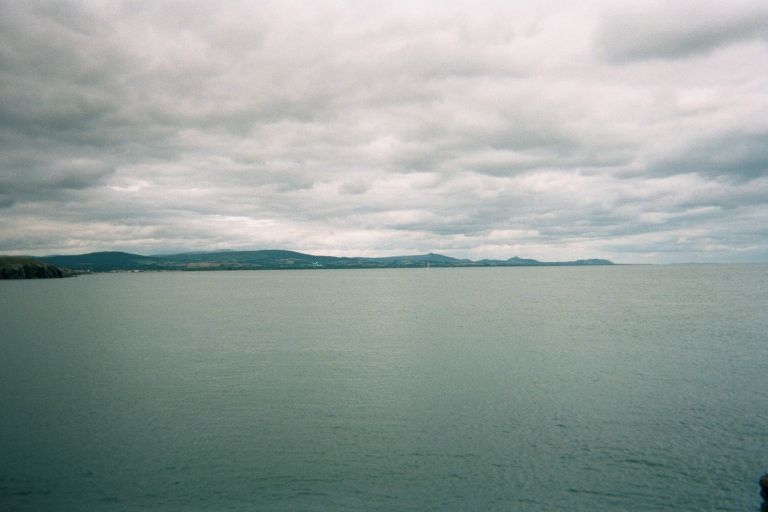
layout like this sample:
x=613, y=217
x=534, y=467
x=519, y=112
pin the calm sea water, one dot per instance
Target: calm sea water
x=632, y=388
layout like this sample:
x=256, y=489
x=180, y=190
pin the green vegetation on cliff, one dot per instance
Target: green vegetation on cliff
x=22, y=267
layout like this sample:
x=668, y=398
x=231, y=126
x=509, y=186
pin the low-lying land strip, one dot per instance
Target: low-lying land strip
x=277, y=259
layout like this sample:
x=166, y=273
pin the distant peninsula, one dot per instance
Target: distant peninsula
x=277, y=259
x=21, y=267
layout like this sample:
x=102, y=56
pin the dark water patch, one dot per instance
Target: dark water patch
x=646, y=463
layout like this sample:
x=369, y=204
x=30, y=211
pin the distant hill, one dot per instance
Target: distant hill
x=22, y=267
x=276, y=259
x=526, y=262
x=102, y=261
x=423, y=259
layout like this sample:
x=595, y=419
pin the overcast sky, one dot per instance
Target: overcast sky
x=635, y=131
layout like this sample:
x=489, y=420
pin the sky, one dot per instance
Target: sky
x=633, y=131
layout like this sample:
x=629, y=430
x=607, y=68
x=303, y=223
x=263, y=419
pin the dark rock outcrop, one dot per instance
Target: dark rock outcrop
x=18, y=267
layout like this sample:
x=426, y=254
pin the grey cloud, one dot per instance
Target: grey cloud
x=360, y=128
x=6, y=201
x=678, y=30
x=733, y=155
x=355, y=186
x=27, y=176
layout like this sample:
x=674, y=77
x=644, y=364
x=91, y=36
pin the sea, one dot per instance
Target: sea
x=631, y=388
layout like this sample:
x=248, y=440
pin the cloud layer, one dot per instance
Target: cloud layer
x=558, y=131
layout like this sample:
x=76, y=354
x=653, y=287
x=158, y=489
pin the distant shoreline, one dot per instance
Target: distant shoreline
x=279, y=260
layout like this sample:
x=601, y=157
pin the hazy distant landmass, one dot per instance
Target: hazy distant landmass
x=278, y=259
x=22, y=267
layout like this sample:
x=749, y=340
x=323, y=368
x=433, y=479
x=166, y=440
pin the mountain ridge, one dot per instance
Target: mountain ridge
x=106, y=261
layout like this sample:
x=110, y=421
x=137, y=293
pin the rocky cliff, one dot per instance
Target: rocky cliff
x=19, y=267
